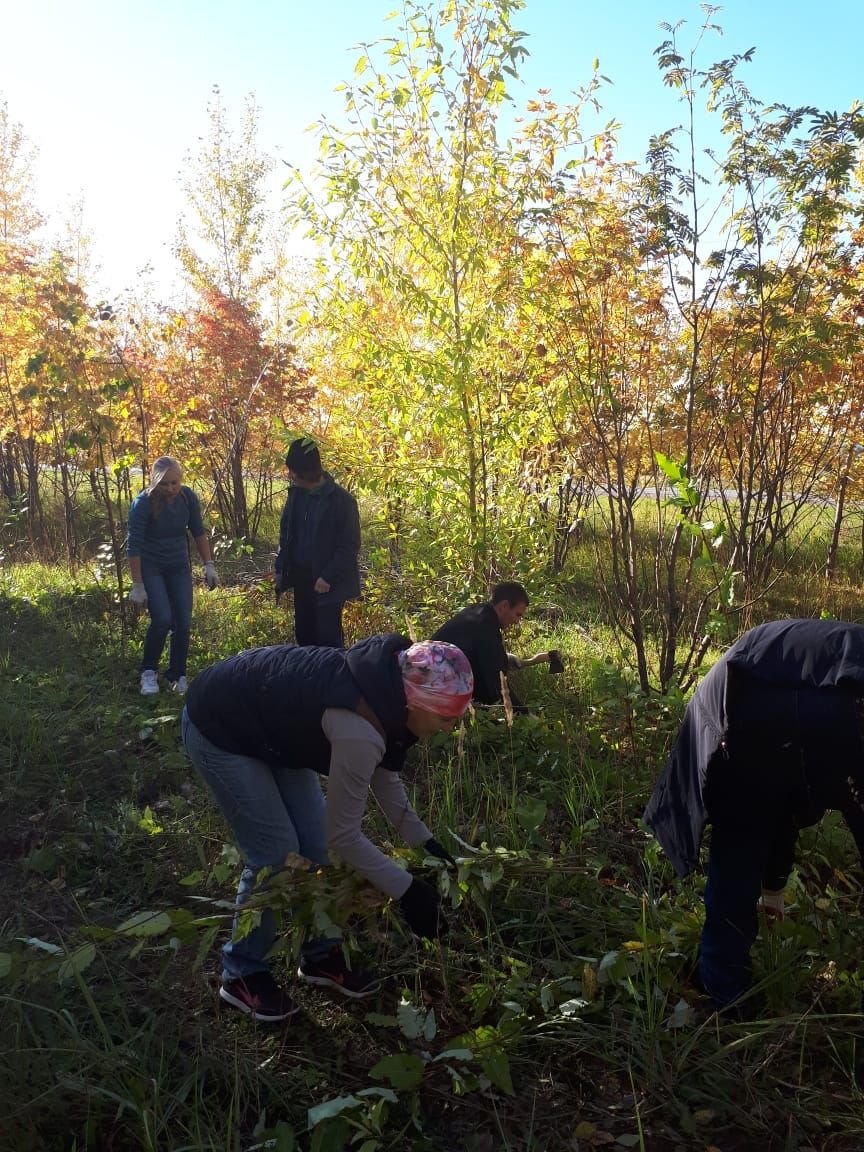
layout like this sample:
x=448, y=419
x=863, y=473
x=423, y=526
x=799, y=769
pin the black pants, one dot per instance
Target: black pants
x=787, y=758
x=316, y=623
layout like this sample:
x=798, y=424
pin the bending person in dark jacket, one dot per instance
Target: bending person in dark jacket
x=478, y=629
x=319, y=541
x=770, y=741
x=261, y=726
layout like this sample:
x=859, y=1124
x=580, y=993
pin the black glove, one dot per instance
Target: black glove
x=439, y=851
x=556, y=664
x=421, y=907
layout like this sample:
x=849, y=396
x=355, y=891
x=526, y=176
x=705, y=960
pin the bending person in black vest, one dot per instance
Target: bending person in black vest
x=319, y=542
x=261, y=726
x=770, y=741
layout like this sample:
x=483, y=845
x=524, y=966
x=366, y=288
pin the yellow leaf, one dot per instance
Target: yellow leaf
x=589, y=982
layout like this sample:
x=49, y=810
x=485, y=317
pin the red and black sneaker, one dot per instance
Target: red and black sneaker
x=331, y=971
x=259, y=996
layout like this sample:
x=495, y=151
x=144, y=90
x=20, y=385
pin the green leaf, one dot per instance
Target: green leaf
x=331, y=1108
x=430, y=1027
x=146, y=924
x=382, y=1093
x=606, y=966
x=410, y=1020
x=682, y=1014
x=403, y=1070
x=462, y=1055
x=381, y=1021
x=495, y=1064
x=673, y=472
x=80, y=959
x=149, y=823
x=531, y=814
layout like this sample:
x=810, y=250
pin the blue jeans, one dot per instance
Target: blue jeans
x=272, y=812
x=169, y=601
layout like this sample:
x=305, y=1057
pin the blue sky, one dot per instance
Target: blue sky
x=113, y=94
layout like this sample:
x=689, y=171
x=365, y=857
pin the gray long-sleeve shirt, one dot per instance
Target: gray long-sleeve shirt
x=356, y=752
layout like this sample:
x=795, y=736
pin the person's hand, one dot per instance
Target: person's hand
x=439, y=851
x=138, y=595
x=556, y=664
x=773, y=903
x=321, y=586
x=211, y=579
x=421, y=907
x=513, y=662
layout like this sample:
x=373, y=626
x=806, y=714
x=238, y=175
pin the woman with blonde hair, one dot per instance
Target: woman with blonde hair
x=159, y=565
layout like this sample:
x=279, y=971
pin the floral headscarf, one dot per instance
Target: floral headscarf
x=437, y=678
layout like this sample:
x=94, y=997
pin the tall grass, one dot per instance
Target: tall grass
x=567, y=970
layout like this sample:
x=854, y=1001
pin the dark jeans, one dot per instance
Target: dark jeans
x=750, y=850
x=316, y=623
x=169, y=602
x=787, y=758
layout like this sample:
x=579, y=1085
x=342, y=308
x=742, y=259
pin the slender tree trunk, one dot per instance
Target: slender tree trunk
x=831, y=564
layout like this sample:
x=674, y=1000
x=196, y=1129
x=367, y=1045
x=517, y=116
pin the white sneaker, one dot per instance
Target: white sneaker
x=180, y=686
x=149, y=683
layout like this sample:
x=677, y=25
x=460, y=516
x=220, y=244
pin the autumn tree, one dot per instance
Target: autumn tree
x=235, y=388
x=232, y=373
x=19, y=325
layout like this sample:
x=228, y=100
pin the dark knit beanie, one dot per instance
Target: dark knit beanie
x=303, y=457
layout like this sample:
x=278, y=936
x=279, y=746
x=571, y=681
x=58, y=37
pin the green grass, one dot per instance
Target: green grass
x=565, y=977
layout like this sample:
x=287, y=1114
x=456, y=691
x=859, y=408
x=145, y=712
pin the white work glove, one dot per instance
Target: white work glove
x=210, y=577
x=138, y=595
x=773, y=903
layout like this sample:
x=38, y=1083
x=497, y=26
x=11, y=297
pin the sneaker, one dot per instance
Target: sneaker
x=180, y=685
x=259, y=996
x=331, y=971
x=149, y=683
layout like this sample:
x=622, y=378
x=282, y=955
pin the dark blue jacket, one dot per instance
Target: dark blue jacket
x=161, y=541
x=333, y=546
x=791, y=690
x=268, y=703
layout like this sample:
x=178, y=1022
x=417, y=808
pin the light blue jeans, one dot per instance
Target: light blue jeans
x=272, y=812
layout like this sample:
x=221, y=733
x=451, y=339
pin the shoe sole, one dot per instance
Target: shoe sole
x=235, y=1002
x=323, y=982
